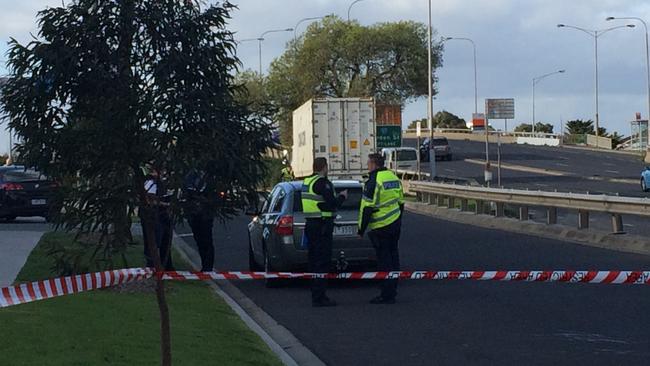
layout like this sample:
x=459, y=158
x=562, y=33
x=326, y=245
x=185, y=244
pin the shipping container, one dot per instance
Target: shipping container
x=388, y=114
x=339, y=129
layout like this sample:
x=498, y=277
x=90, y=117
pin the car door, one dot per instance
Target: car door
x=256, y=228
x=270, y=217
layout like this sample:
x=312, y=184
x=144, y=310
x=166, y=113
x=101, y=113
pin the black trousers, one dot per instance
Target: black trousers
x=202, y=231
x=319, y=242
x=385, y=240
x=162, y=231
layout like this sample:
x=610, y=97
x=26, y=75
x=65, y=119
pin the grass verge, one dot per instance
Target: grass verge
x=107, y=327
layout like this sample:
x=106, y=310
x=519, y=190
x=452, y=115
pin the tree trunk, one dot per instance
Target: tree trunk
x=149, y=222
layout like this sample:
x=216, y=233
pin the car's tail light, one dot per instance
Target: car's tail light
x=284, y=226
x=11, y=187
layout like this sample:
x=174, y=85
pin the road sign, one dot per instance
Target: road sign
x=389, y=136
x=503, y=108
x=418, y=128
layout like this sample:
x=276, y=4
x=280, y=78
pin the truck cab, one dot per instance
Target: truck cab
x=401, y=158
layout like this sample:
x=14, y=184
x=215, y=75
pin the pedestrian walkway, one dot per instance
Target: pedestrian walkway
x=15, y=247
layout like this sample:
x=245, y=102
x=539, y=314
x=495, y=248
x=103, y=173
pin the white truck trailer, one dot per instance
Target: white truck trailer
x=339, y=129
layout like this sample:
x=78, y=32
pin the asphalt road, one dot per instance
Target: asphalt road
x=585, y=170
x=466, y=323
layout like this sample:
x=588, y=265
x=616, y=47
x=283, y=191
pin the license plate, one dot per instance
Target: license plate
x=39, y=202
x=349, y=230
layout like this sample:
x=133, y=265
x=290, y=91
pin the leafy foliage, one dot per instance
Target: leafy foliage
x=579, y=127
x=442, y=119
x=539, y=127
x=335, y=58
x=109, y=87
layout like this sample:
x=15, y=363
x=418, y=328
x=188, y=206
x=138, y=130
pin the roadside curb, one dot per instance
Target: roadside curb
x=279, y=339
x=593, y=238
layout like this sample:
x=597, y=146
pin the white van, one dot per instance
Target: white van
x=401, y=158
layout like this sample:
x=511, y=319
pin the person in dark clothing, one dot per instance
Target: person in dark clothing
x=319, y=204
x=199, y=213
x=156, y=212
x=382, y=205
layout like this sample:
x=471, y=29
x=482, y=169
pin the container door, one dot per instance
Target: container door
x=353, y=136
x=366, y=129
x=335, y=137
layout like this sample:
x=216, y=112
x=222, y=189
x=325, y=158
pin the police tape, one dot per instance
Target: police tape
x=55, y=287
x=40, y=290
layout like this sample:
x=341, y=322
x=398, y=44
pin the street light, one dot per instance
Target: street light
x=350, y=7
x=432, y=161
x=647, y=63
x=295, y=36
x=595, y=34
x=261, y=38
x=537, y=80
x=475, y=72
x=487, y=142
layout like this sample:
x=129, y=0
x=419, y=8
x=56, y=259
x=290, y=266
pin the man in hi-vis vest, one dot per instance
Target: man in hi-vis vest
x=319, y=205
x=381, y=212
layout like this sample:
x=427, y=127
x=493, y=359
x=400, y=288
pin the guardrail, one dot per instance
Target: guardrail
x=425, y=133
x=448, y=194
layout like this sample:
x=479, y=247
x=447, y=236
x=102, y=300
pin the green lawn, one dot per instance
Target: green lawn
x=106, y=327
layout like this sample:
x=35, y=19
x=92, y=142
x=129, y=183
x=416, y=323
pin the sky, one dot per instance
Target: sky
x=516, y=41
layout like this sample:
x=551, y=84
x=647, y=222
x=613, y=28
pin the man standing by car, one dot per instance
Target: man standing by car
x=199, y=211
x=319, y=205
x=382, y=204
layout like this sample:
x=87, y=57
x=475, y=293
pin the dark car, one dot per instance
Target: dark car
x=440, y=146
x=276, y=232
x=24, y=192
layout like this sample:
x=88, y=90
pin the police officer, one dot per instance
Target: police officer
x=156, y=213
x=319, y=205
x=200, y=213
x=287, y=173
x=382, y=204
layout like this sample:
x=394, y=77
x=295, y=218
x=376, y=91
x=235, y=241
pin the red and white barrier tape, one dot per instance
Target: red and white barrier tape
x=608, y=277
x=40, y=290
x=46, y=289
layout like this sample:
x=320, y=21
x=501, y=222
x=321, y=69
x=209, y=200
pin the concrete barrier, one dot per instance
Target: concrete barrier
x=538, y=141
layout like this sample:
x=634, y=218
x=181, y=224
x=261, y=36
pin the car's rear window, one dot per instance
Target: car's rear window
x=405, y=155
x=352, y=203
x=440, y=142
x=22, y=176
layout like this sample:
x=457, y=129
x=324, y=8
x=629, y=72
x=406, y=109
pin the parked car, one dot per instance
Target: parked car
x=645, y=179
x=400, y=158
x=275, y=233
x=24, y=192
x=440, y=146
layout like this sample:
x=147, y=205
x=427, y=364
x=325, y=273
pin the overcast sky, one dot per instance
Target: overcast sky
x=516, y=41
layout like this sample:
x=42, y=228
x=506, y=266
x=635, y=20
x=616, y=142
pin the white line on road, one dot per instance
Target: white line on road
x=450, y=170
x=561, y=164
x=612, y=171
x=184, y=235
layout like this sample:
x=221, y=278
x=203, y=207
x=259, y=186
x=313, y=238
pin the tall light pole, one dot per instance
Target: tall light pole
x=475, y=72
x=647, y=64
x=295, y=35
x=595, y=34
x=261, y=38
x=537, y=80
x=432, y=160
x=350, y=7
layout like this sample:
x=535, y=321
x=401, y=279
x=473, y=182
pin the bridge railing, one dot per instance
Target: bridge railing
x=449, y=194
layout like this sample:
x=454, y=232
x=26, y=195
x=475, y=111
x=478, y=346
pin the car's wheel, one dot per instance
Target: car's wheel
x=644, y=187
x=252, y=264
x=269, y=282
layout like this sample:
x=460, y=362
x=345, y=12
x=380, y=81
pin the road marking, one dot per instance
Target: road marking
x=450, y=170
x=561, y=164
x=612, y=171
x=184, y=235
x=521, y=168
x=541, y=185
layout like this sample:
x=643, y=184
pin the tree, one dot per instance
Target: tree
x=539, y=127
x=111, y=86
x=423, y=124
x=617, y=139
x=444, y=119
x=335, y=58
x=580, y=127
